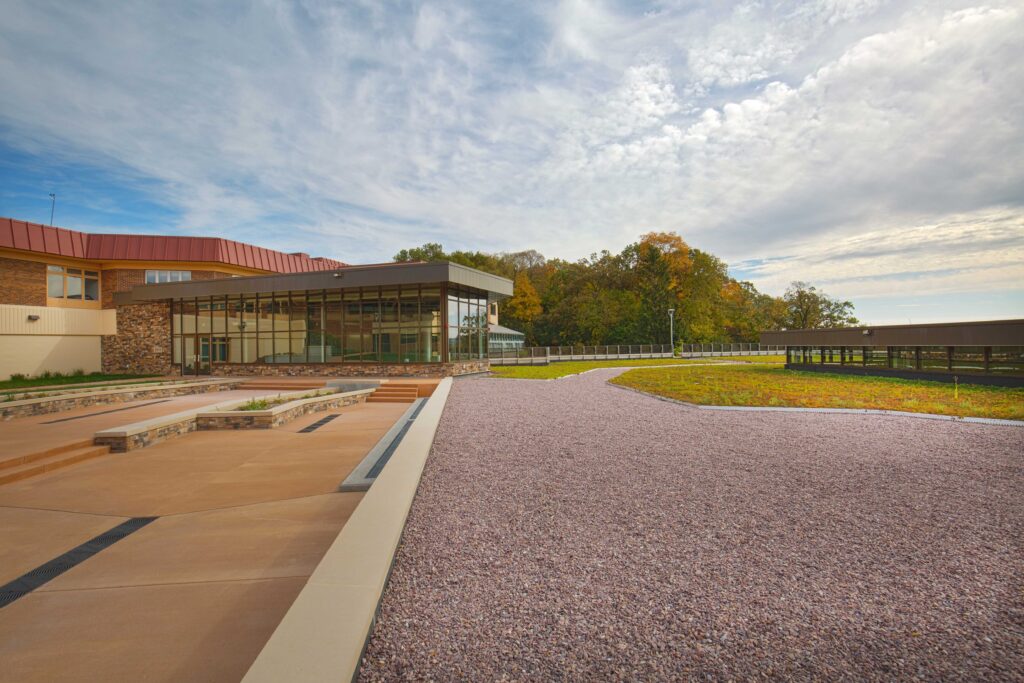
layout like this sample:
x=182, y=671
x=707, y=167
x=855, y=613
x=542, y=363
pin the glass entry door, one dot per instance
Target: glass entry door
x=196, y=350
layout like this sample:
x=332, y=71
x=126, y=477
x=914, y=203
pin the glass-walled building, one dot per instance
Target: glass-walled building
x=974, y=352
x=390, y=315
x=503, y=339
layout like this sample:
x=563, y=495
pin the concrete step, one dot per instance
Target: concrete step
x=53, y=462
x=18, y=460
x=394, y=393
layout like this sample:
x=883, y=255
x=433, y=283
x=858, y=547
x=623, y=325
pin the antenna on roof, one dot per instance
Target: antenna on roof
x=53, y=205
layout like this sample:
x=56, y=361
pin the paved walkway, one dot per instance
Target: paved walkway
x=571, y=530
x=244, y=518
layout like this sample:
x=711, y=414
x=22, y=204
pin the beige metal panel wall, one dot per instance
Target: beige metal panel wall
x=32, y=355
x=56, y=321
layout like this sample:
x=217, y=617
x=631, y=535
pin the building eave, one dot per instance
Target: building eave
x=384, y=275
x=979, y=333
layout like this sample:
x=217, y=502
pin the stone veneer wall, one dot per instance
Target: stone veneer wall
x=22, y=283
x=270, y=419
x=123, y=279
x=350, y=369
x=122, y=443
x=57, y=404
x=142, y=344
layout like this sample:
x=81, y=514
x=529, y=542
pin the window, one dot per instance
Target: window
x=319, y=326
x=467, y=324
x=935, y=358
x=74, y=284
x=903, y=357
x=876, y=356
x=156, y=276
x=968, y=359
x=1006, y=360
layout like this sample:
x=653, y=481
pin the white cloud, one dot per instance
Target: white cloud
x=978, y=252
x=768, y=131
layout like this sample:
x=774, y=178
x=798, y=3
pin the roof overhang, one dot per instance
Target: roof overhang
x=385, y=275
x=985, y=333
x=73, y=244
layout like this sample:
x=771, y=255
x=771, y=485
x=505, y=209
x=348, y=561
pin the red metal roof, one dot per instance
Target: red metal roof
x=45, y=239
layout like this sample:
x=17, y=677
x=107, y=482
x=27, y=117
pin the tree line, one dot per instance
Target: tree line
x=624, y=298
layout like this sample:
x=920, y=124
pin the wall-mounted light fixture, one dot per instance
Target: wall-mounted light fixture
x=339, y=275
x=33, y=318
x=866, y=333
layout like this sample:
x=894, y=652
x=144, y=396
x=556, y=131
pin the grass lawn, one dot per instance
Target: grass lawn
x=574, y=367
x=28, y=382
x=773, y=386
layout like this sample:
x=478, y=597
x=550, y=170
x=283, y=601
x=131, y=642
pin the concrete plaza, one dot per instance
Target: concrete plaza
x=243, y=519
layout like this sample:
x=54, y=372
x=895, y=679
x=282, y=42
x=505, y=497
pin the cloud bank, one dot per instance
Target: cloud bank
x=862, y=144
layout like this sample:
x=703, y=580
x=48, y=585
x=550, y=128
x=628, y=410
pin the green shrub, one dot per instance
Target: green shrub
x=254, y=404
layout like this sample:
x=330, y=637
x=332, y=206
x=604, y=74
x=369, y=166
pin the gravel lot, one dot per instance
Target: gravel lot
x=573, y=530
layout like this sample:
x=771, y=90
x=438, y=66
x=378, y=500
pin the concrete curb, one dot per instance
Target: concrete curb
x=359, y=479
x=629, y=367
x=324, y=633
x=839, y=411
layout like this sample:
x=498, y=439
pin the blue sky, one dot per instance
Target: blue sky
x=872, y=148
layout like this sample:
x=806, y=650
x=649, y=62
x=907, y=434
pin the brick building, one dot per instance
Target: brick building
x=168, y=305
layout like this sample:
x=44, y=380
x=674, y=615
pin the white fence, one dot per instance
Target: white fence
x=542, y=355
x=738, y=349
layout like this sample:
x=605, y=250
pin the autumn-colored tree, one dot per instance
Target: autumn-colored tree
x=624, y=298
x=523, y=307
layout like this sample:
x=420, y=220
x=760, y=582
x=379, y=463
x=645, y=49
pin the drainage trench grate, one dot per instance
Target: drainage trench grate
x=28, y=582
x=318, y=424
x=389, y=451
x=105, y=412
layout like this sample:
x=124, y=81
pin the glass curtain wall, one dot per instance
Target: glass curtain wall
x=467, y=324
x=967, y=359
x=365, y=325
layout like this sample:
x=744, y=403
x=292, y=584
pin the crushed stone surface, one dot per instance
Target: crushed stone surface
x=573, y=530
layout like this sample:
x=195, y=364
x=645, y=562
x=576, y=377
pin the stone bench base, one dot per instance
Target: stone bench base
x=279, y=415
x=56, y=404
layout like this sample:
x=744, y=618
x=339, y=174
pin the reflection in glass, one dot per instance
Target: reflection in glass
x=368, y=325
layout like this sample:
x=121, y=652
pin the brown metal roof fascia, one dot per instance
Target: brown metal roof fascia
x=352, y=276
x=982, y=333
x=471, y=277
x=46, y=239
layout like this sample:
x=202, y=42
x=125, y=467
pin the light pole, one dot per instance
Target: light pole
x=672, y=330
x=53, y=205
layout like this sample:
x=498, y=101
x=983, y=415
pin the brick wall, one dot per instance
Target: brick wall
x=143, y=341
x=22, y=282
x=118, y=280
x=350, y=369
x=123, y=279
